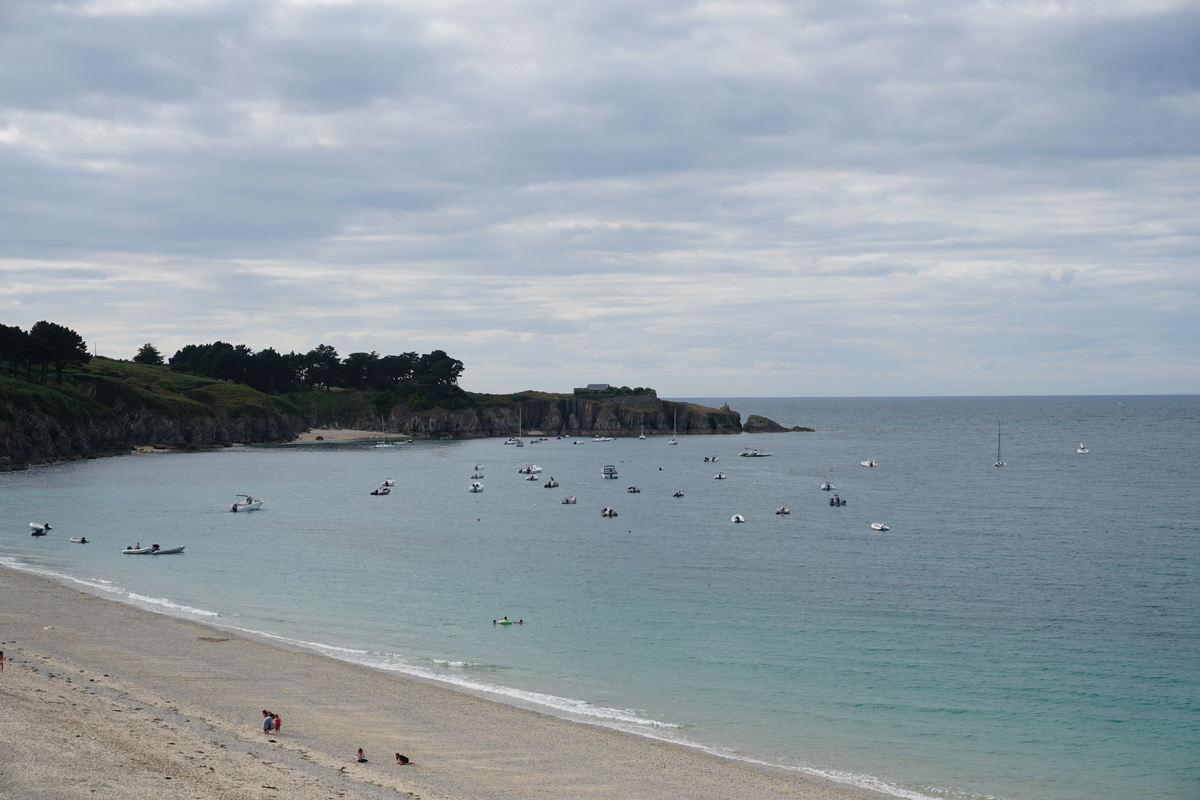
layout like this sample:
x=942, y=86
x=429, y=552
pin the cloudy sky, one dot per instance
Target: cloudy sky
x=820, y=197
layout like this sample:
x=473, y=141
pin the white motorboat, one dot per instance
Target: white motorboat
x=753, y=454
x=879, y=526
x=550, y=484
x=79, y=540
x=477, y=467
x=384, y=445
x=720, y=476
x=609, y=471
x=246, y=503
x=477, y=475
x=530, y=469
x=999, y=461
x=870, y=462
x=382, y=490
x=782, y=510
x=633, y=490
x=568, y=501
x=737, y=518
x=599, y=438
x=579, y=441
x=827, y=486
x=532, y=478
x=388, y=482
x=476, y=487
x=39, y=528
x=677, y=494
x=513, y=440
x=608, y=512
x=152, y=550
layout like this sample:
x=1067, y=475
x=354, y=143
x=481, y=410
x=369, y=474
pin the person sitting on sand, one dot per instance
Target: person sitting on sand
x=402, y=760
x=359, y=757
x=267, y=721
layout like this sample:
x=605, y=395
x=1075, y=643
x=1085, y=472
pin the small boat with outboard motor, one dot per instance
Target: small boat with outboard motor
x=737, y=518
x=245, y=502
x=40, y=528
x=879, y=526
x=79, y=540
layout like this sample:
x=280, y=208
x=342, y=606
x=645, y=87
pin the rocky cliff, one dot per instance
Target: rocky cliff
x=535, y=413
x=759, y=424
x=104, y=411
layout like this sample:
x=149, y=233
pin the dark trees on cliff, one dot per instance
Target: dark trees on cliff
x=53, y=344
x=148, y=354
x=438, y=369
x=13, y=344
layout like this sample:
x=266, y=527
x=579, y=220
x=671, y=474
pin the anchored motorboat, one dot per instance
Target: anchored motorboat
x=677, y=494
x=634, y=490
x=39, y=528
x=720, y=476
x=476, y=487
x=246, y=503
x=737, y=518
x=550, y=484
x=836, y=501
x=609, y=471
x=568, y=501
x=782, y=510
x=879, y=526
x=753, y=454
x=608, y=512
x=79, y=540
x=870, y=462
x=382, y=490
x=530, y=469
x=827, y=486
x=599, y=438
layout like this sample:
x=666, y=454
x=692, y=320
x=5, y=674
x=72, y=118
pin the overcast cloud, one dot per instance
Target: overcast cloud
x=833, y=197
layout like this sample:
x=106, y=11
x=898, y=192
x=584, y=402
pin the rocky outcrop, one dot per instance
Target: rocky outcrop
x=551, y=415
x=760, y=424
x=40, y=424
x=537, y=414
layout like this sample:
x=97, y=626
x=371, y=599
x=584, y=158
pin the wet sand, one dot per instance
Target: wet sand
x=99, y=699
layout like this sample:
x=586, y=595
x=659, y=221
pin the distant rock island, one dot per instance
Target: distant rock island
x=758, y=424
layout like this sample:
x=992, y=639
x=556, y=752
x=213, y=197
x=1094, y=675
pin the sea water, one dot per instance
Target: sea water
x=1031, y=631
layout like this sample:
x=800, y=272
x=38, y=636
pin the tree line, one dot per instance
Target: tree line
x=44, y=346
x=268, y=370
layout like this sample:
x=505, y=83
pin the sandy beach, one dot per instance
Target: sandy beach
x=341, y=435
x=105, y=700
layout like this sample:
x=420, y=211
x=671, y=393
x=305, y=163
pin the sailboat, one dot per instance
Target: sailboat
x=643, y=435
x=999, y=462
x=1082, y=447
x=517, y=439
x=674, y=426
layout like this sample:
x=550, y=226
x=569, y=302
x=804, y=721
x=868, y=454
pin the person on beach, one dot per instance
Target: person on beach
x=277, y=722
x=268, y=720
x=402, y=760
x=1, y=661
x=360, y=757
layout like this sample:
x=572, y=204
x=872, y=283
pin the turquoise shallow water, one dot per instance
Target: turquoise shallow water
x=1025, y=632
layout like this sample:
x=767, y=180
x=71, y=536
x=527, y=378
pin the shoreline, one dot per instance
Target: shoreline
x=104, y=699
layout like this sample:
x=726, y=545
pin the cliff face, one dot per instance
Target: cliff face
x=537, y=414
x=101, y=416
